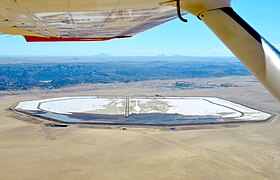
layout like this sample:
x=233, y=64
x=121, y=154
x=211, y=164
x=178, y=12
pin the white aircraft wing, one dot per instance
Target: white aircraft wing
x=81, y=20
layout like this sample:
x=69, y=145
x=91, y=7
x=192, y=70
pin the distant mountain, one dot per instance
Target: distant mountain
x=103, y=55
x=161, y=55
x=177, y=55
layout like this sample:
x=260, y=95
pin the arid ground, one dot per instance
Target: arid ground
x=30, y=150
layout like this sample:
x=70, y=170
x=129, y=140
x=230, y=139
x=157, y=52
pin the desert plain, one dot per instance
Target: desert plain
x=31, y=150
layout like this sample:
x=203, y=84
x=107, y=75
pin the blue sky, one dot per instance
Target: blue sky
x=172, y=38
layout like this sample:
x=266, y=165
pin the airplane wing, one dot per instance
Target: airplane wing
x=81, y=20
x=97, y=20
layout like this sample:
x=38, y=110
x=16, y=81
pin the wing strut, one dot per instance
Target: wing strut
x=257, y=54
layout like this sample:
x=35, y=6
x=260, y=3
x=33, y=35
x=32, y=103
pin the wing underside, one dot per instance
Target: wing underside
x=87, y=24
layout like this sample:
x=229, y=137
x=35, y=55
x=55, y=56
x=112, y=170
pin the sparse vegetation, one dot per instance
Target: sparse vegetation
x=24, y=76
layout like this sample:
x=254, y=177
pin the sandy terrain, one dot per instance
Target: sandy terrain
x=30, y=150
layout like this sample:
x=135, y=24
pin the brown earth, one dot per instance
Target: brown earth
x=30, y=150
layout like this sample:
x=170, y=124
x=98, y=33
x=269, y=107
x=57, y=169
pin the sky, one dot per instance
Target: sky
x=172, y=38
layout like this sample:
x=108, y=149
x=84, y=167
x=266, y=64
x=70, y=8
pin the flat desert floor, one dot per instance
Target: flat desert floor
x=31, y=150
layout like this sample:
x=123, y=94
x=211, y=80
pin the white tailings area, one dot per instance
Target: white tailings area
x=190, y=106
